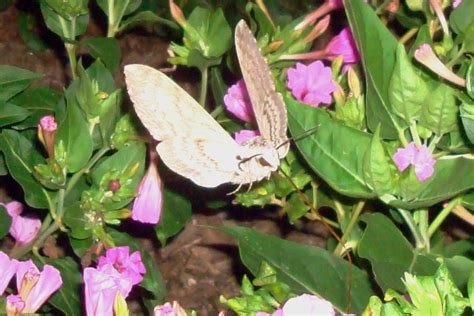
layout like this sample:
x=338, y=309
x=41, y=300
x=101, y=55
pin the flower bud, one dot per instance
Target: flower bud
x=177, y=14
x=46, y=131
x=354, y=82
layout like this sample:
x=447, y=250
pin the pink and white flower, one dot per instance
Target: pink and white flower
x=8, y=268
x=129, y=265
x=419, y=157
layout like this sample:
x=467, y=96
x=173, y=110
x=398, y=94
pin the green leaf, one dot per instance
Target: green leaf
x=81, y=246
x=378, y=170
x=176, y=213
x=5, y=221
x=119, y=8
x=74, y=218
x=378, y=48
x=467, y=118
x=67, y=29
x=74, y=133
x=147, y=19
x=68, y=298
x=107, y=49
x=335, y=152
x=470, y=290
x=470, y=80
x=152, y=280
x=10, y=113
x=20, y=157
x=440, y=112
x=424, y=295
x=454, y=302
x=300, y=266
x=407, y=90
x=14, y=80
x=109, y=115
x=39, y=101
x=27, y=24
x=98, y=72
x=460, y=268
x=390, y=254
x=462, y=17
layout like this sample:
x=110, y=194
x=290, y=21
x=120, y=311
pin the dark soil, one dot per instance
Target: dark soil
x=199, y=264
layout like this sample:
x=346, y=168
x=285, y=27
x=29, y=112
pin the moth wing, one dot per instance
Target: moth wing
x=268, y=105
x=207, y=162
x=192, y=143
x=165, y=108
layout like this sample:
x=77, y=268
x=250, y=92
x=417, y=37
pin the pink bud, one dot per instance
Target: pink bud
x=149, y=201
x=23, y=228
x=244, y=134
x=46, y=132
x=456, y=3
x=311, y=84
x=237, y=102
x=48, y=123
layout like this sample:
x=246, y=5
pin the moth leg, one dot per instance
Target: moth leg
x=236, y=190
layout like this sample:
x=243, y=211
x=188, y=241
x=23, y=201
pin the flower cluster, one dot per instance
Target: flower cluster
x=420, y=157
x=116, y=273
x=34, y=286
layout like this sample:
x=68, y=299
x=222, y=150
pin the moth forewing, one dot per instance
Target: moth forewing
x=268, y=105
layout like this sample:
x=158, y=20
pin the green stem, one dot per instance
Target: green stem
x=20, y=251
x=111, y=19
x=434, y=142
x=202, y=94
x=423, y=229
x=86, y=169
x=442, y=216
x=348, y=231
x=412, y=226
x=71, y=54
x=218, y=110
x=414, y=133
x=408, y=35
x=60, y=210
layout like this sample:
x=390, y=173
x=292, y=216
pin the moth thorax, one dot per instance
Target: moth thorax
x=260, y=154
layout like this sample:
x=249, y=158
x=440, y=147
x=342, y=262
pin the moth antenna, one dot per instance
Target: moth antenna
x=331, y=231
x=298, y=137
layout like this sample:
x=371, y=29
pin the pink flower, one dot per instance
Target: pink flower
x=23, y=228
x=343, y=44
x=237, y=101
x=46, y=131
x=8, y=269
x=311, y=84
x=245, y=134
x=419, y=157
x=128, y=265
x=35, y=287
x=101, y=287
x=425, y=55
x=149, y=201
x=169, y=310
x=456, y=3
x=307, y=304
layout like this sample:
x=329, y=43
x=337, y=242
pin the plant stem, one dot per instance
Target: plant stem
x=60, y=209
x=406, y=37
x=412, y=226
x=202, y=94
x=218, y=110
x=348, y=231
x=423, y=229
x=442, y=216
x=71, y=54
x=414, y=133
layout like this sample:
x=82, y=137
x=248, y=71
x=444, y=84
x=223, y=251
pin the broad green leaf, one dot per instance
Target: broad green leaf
x=152, y=280
x=454, y=302
x=5, y=221
x=10, y=113
x=3, y=166
x=175, y=214
x=378, y=170
x=119, y=8
x=81, y=246
x=462, y=16
x=67, y=29
x=145, y=19
x=14, y=80
x=39, y=101
x=335, y=152
x=98, y=72
x=21, y=157
x=109, y=115
x=424, y=295
x=301, y=267
x=378, y=48
x=460, y=268
x=445, y=183
x=440, y=112
x=407, y=90
x=73, y=131
x=68, y=298
x=27, y=24
x=390, y=254
x=74, y=218
x=467, y=118
x=470, y=290
x=107, y=49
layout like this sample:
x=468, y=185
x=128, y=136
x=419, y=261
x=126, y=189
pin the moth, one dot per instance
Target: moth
x=192, y=143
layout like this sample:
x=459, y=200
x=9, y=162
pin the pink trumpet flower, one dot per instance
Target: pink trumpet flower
x=245, y=134
x=419, y=157
x=237, y=102
x=129, y=265
x=8, y=268
x=23, y=228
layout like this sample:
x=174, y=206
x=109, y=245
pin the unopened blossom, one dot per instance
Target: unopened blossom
x=419, y=157
x=169, y=310
x=311, y=84
x=8, y=269
x=245, y=134
x=307, y=304
x=149, y=201
x=237, y=101
x=46, y=132
x=435, y=4
x=101, y=287
x=23, y=228
x=15, y=305
x=35, y=287
x=318, y=29
x=425, y=55
x=129, y=265
x=456, y=3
